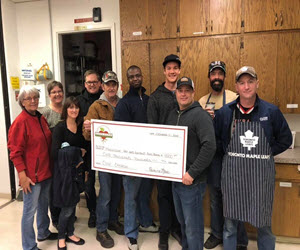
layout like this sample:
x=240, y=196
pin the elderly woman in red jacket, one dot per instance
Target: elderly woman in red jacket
x=29, y=142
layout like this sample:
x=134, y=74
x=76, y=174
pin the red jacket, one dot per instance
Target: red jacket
x=29, y=142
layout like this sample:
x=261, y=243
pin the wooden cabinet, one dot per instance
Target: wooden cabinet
x=149, y=56
x=135, y=54
x=260, y=52
x=197, y=53
x=288, y=72
x=194, y=17
x=286, y=208
x=271, y=15
x=276, y=58
x=148, y=19
x=209, y=17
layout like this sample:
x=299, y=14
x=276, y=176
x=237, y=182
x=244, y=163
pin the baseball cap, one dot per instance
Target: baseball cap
x=185, y=81
x=245, y=70
x=172, y=58
x=216, y=64
x=109, y=76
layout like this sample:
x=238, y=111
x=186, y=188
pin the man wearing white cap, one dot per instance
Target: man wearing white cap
x=249, y=133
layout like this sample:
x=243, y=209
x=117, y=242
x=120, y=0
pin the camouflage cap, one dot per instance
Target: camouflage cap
x=109, y=76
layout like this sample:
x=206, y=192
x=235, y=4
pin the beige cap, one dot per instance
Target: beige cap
x=245, y=70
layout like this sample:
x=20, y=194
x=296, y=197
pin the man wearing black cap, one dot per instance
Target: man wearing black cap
x=161, y=102
x=201, y=146
x=212, y=102
x=249, y=133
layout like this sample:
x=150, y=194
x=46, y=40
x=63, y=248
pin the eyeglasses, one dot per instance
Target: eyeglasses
x=90, y=83
x=56, y=92
x=31, y=99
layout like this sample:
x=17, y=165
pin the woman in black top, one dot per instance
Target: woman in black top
x=67, y=133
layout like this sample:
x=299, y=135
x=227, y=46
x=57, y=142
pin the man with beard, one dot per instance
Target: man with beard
x=212, y=102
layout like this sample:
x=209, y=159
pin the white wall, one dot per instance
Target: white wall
x=12, y=67
x=64, y=13
x=28, y=39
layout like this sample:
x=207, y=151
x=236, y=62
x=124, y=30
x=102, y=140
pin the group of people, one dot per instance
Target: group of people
x=232, y=139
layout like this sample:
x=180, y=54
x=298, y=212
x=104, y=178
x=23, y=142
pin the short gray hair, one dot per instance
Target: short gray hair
x=27, y=90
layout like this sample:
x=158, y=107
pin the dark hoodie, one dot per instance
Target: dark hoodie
x=201, y=144
x=86, y=100
x=161, y=102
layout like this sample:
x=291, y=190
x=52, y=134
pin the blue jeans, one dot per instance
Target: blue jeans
x=217, y=219
x=131, y=188
x=108, y=200
x=189, y=210
x=36, y=201
x=265, y=238
x=144, y=213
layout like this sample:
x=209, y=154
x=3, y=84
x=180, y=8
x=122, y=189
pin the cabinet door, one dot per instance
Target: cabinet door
x=136, y=53
x=158, y=51
x=194, y=17
x=162, y=21
x=133, y=19
x=195, y=58
x=225, y=16
x=260, y=51
x=286, y=209
x=288, y=72
x=289, y=14
x=261, y=15
x=227, y=49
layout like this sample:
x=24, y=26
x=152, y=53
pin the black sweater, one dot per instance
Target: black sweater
x=201, y=143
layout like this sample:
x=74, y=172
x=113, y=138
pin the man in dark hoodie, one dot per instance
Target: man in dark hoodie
x=161, y=102
x=201, y=146
x=91, y=93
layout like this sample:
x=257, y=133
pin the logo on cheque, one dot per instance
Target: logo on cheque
x=103, y=133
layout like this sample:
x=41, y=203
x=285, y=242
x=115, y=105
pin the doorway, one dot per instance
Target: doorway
x=80, y=52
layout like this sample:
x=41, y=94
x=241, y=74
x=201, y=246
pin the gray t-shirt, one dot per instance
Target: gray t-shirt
x=51, y=116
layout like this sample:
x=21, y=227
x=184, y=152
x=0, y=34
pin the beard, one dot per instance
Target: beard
x=217, y=85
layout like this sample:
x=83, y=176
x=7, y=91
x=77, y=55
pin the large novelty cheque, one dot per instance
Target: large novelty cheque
x=137, y=149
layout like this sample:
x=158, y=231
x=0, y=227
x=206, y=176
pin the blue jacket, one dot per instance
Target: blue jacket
x=132, y=107
x=271, y=119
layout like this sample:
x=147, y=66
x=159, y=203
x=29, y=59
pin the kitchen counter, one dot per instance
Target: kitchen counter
x=290, y=156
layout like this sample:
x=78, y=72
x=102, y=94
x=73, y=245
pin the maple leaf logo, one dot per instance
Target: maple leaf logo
x=249, y=141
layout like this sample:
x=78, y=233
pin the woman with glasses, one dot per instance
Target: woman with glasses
x=29, y=143
x=52, y=113
x=68, y=148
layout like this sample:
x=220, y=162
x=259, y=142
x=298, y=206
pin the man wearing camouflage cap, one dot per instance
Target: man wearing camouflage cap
x=249, y=133
x=109, y=194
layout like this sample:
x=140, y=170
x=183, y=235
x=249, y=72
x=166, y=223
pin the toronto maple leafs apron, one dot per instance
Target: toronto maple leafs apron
x=248, y=176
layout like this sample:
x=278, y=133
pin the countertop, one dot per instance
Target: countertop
x=290, y=156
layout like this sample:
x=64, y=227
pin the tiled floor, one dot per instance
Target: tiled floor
x=10, y=232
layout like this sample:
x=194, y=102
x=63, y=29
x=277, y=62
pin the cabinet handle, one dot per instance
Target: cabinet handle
x=146, y=32
x=206, y=27
x=211, y=27
x=150, y=30
x=281, y=18
x=276, y=19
